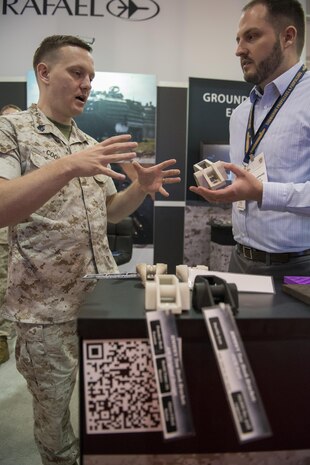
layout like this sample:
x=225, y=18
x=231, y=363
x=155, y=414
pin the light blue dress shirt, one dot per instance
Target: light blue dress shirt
x=282, y=222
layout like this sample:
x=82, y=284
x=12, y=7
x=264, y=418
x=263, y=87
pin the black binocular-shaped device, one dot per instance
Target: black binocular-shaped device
x=209, y=291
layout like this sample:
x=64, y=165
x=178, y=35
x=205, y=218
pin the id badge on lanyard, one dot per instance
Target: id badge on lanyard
x=256, y=164
x=257, y=167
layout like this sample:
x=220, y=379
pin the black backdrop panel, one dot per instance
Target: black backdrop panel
x=171, y=143
x=171, y=134
x=168, y=236
x=210, y=104
x=13, y=92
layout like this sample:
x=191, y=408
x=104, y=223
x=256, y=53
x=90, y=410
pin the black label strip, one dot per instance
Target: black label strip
x=247, y=409
x=171, y=386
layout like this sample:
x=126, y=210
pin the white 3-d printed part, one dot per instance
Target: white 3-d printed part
x=167, y=293
x=210, y=175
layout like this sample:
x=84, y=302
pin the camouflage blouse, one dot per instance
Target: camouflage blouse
x=64, y=239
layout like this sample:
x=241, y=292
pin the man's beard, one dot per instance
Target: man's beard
x=267, y=67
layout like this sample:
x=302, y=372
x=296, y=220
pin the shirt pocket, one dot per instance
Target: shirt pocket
x=35, y=161
x=101, y=179
x=38, y=160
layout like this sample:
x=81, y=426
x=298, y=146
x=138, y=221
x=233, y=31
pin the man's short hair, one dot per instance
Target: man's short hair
x=10, y=105
x=52, y=44
x=284, y=13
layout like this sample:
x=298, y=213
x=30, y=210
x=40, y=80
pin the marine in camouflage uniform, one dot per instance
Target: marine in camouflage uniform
x=49, y=253
x=6, y=327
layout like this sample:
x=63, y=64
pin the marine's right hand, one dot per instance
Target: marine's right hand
x=95, y=159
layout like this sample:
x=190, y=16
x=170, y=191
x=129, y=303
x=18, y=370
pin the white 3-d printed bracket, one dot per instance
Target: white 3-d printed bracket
x=166, y=292
x=210, y=175
x=148, y=272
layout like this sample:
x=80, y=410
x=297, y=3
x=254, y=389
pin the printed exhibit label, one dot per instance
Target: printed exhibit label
x=238, y=379
x=169, y=374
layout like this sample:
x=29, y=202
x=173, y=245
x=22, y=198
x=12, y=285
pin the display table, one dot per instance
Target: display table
x=117, y=387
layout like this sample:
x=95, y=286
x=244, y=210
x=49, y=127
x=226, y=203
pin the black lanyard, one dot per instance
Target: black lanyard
x=252, y=140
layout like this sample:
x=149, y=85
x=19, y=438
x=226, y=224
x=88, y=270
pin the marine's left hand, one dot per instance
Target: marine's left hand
x=152, y=179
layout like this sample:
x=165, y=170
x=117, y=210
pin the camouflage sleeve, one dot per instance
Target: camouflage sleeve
x=3, y=236
x=110, y=186
x=9, y=157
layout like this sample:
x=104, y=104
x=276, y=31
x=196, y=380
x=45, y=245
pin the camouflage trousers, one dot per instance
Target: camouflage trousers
x=6, y=327
x=47, y=357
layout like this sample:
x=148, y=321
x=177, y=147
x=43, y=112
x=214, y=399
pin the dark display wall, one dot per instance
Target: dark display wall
x=171, y=143
x=13, y=92
x=210, y=105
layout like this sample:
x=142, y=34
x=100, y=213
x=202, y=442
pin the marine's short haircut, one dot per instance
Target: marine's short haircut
x=52, y=44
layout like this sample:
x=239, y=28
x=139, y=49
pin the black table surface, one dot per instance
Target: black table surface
x=267, y=315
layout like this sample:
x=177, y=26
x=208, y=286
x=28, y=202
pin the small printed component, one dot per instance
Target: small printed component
x=210, y=175
x=148, y=272
x=166, y=292
x=111, y=276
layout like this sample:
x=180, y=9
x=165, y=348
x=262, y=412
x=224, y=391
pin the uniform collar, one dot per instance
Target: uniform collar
x=43, y=125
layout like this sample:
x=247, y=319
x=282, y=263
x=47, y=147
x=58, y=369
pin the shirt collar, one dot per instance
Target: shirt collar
x=281, y=83
x=44, y=126
x=255, y=94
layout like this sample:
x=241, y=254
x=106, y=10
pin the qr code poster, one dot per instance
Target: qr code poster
x=120, y=387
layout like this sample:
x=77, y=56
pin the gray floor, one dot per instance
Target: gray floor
x=16, y=439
